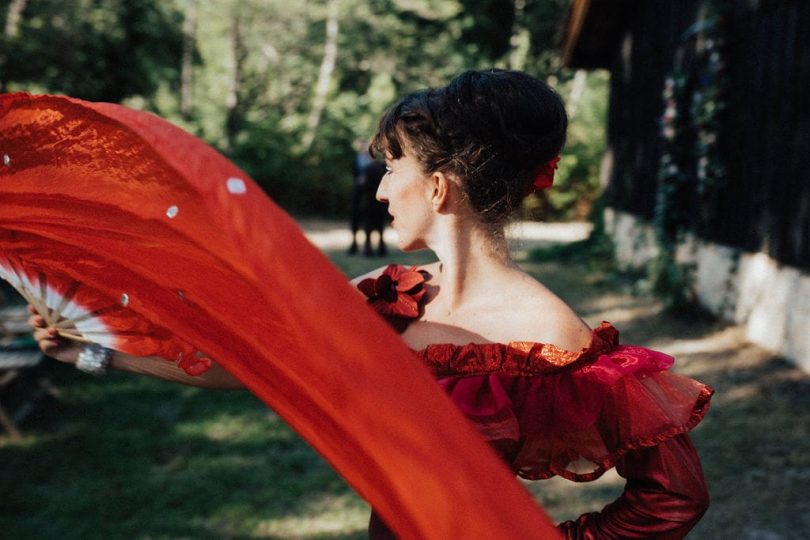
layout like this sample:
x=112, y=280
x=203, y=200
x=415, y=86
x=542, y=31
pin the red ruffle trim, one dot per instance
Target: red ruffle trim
x=516, y=357
x=573, y=414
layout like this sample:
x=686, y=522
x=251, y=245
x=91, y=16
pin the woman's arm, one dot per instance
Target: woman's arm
x=664, y=498
x=67, y=351
x=215, y=377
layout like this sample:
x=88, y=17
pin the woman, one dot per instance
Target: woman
x=551, y=395
x=461, y=159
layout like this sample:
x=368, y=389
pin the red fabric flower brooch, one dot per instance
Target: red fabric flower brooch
x=396, y=294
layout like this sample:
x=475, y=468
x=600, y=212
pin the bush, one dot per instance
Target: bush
x=315, y=182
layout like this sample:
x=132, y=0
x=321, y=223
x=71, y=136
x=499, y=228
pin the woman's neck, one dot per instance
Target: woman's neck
x=470, y=258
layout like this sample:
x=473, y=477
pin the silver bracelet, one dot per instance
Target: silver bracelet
x=94, y=359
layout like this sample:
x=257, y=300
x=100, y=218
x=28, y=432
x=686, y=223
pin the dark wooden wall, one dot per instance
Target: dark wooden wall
x=764, y=203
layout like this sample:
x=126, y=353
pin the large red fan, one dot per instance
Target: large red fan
x=124, y=230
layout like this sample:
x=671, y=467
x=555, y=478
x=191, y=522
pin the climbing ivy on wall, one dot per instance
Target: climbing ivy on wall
x=691, y=171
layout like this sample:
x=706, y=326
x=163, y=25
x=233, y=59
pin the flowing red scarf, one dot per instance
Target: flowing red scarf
x=193, y=261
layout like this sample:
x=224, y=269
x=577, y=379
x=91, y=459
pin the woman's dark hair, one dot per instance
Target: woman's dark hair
x=492, y=129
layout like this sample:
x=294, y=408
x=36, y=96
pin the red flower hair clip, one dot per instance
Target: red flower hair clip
x=396, y=294
x=544, y=177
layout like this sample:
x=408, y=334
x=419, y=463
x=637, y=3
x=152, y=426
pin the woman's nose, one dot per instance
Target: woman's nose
x=382, y=194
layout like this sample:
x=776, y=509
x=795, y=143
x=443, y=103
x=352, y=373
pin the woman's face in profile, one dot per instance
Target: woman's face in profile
x=406, y=190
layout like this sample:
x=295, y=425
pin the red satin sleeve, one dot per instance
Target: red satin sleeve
x=664, y=497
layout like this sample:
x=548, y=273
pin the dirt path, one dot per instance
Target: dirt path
x=754, y=443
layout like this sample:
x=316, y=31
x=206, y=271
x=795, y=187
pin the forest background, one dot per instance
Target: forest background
x=284, y=88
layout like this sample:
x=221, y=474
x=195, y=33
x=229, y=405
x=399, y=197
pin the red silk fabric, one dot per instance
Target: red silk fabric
x=86, y=195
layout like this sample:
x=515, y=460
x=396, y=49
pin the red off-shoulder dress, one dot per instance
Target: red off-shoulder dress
x=548, y=411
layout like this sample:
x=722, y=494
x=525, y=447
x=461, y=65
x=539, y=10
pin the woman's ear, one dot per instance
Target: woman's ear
x=441, y=191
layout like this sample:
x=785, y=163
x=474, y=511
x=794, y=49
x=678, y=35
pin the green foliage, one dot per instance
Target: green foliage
x=257, y=65
x=488, y=26
x=310, y=183
x=576, y=184
x=101, y=50
x=691, y=172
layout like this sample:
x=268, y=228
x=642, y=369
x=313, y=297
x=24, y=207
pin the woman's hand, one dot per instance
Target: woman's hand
x=49, y=341
x=66, y=350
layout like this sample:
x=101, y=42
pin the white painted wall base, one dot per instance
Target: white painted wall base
x=771, y=300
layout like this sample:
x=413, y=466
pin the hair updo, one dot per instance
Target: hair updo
x=493, y=130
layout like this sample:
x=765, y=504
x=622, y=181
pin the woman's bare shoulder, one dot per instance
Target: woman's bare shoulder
x=546, y=318
x=565, y=329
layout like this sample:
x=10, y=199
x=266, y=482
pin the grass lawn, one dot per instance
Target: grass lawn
x=131, y=457
x=127, y=457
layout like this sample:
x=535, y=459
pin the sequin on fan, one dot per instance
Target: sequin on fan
x=236, y=186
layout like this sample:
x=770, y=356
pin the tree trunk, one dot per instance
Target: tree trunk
x=325, y=75
x=233, y=102
x=186, y=69
x=577, y=90
x=520, y=39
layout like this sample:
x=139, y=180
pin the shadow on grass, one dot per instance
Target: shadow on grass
x=134, y=457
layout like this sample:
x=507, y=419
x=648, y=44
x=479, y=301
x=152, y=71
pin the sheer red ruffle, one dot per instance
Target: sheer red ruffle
x=573, y=414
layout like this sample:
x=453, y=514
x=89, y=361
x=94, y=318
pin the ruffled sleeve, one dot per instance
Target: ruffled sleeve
x=573, y=414
x=664, y=498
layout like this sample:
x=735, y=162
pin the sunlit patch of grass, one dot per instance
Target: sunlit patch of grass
x=325, y=517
